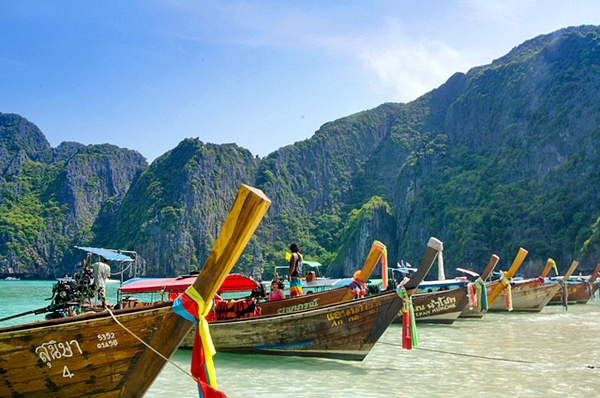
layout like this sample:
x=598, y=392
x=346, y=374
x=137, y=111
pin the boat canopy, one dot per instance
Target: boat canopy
x=233, y=283
x=107, y=254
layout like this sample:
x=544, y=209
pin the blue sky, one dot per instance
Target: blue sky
x=264, y=74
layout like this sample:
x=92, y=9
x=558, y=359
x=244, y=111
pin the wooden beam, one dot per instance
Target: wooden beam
x=490, y=267
x=434, y=247
x=570, y=271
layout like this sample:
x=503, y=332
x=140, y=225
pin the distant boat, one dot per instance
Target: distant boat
x=531, y=295
x=580, y=289
x=12, y=278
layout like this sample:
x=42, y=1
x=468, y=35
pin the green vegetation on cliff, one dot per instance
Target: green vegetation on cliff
x=502, y=157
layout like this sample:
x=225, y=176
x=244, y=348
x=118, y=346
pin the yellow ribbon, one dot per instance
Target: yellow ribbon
x=554, y=267
x=508, y=293
x=207, y=343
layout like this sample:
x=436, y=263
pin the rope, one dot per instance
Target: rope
x=484, y=357
x=150, y=347
x=123, y=271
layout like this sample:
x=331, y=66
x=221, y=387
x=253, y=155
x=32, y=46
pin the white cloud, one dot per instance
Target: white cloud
x=413, y=68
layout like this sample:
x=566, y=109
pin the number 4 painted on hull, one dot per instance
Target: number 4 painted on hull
x=67, y=372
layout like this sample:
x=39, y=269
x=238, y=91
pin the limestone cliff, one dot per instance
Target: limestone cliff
x=501, y=157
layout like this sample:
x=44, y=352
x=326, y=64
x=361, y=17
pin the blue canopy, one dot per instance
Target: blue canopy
x=107, y=254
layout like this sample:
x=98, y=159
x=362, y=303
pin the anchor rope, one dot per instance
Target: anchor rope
x=485, y=357
x=149, y=346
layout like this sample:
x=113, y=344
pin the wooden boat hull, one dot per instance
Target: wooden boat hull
x=89, y=355
x=300, y=303
x=527, y=297
x=577, y=293
x=438, y=307
x=341, y=331
x=580, y=291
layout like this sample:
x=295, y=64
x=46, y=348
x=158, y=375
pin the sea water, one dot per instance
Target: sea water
x=553, y=353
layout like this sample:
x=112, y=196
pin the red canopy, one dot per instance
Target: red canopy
x=233, y=283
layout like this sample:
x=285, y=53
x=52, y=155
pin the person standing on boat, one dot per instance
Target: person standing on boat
x=295, y=272
x=101, y=275
x=276, y=292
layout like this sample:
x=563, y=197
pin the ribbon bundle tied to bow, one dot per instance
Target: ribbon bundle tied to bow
x=508, y=291
x=191, y=306
x=471, y=295
x=482, y=302
x=409, y=327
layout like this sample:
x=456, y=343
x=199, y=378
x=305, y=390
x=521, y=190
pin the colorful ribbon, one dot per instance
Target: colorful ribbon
x=472, y=295
x=554, y=267
x=381, y=247
x=191, y=306
x=482, y=302
x=409, y=326
x=508, y=291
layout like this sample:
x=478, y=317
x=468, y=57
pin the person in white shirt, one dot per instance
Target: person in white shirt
x=101, y=275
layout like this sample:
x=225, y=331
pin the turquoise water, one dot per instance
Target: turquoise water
x=554, y=353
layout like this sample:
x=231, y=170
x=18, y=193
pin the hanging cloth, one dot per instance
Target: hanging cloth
x=507, y=291
x=482, y=302
x=191, y=306
x=472, y=295
x=409, y=327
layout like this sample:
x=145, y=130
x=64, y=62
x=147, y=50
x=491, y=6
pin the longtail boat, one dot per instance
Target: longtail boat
x=346, y=330
x=440, y=301
x=531, y=295
x=579, y=289
x=117, y=353
x=480, y=292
